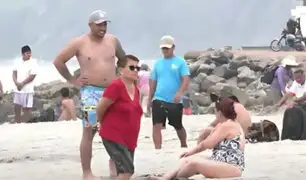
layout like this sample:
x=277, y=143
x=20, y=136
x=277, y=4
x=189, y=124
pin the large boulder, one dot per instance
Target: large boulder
x=220, y=71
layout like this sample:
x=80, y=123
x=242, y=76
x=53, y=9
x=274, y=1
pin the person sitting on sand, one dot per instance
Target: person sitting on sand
x=119, y=113
x=243, y=117
x=294, y=118
x=68, y=111
x=227, y=141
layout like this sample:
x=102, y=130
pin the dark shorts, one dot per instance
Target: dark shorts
x=162, y=110
x=122, y=156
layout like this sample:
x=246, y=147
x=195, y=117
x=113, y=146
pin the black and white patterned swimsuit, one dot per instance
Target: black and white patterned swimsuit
x=229, y=151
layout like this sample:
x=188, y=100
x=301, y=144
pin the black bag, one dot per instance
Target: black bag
x=294, y=123
x=269, y=74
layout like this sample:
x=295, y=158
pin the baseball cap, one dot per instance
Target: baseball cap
x=166, y=42
x=97, y=17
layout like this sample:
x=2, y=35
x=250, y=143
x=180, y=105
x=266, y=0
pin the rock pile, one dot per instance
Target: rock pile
x=220, y=72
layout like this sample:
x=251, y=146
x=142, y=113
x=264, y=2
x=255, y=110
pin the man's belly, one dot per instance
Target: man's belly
x=99, y=77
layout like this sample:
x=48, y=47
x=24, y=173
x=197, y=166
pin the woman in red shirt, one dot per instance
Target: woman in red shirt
x=119, y=113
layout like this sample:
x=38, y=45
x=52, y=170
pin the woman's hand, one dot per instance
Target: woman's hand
x=185, y=154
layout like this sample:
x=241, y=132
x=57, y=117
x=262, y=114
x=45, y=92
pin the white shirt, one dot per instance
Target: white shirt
x=298, y=89
x=24, y=70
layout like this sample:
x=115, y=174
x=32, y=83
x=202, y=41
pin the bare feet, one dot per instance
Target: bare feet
x=90, y=177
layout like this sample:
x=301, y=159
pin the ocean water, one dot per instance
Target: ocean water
x=47, y=72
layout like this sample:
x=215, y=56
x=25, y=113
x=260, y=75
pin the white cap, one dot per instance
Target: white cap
x=98, y=17
x=166, y=42
x=289, y=61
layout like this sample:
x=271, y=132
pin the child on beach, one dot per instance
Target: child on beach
x=68, y=111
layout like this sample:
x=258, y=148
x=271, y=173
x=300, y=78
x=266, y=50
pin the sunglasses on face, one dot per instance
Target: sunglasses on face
x=134, y=68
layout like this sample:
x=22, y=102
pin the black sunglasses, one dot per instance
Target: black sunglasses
x=133, y=68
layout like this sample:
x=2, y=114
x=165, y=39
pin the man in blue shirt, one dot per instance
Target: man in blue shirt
x=169, y=79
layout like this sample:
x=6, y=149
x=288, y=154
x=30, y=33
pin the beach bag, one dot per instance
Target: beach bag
x=269, y=74
x=294, y=123
x=263, y=131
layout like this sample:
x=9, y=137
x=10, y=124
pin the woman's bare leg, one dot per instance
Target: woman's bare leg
x=209, y=169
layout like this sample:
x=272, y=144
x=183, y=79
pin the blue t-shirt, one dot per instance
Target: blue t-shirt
x=168, y=73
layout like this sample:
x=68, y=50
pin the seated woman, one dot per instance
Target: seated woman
x=243, y=117
x=226, y=140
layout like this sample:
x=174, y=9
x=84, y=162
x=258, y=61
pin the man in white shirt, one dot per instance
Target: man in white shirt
x=297, y=90
x=294, y=119
x=24, y=73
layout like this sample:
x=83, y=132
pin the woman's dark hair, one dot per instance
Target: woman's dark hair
x=226, y=107
x=122, y=62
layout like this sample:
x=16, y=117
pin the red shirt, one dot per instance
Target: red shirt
x=121, y=122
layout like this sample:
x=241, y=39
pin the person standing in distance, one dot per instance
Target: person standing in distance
x=24, y=73
x=95, y=52
x=169, y=79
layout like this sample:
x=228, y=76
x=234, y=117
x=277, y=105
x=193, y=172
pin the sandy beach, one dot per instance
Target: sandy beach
x=51, y=151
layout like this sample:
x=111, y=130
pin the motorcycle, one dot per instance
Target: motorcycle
x=286, y=41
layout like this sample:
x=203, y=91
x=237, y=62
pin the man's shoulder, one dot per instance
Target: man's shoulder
x=77, y=41
x=179, y=58
x=110, y=36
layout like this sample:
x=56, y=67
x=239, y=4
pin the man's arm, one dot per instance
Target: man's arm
x=15, y=77
x=301, y=99
x=185, y=78
x=33, y=72
x=29, y=79
x=152, y=83
x=292, y=89
x=120, y=53
x=64, y=56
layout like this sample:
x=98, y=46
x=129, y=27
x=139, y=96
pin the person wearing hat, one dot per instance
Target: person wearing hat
x=283, y=75
x=95, y=52
x=294, y=118
x=168, y=82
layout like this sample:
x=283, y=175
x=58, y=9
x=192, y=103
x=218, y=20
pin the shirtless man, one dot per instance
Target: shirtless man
x=68, y=111
x=95, y=52
x=243, y=117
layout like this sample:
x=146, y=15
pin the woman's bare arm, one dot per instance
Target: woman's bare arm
x=212, y=140
x=103, y=104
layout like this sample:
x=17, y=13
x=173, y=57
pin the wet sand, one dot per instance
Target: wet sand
x=50, y=151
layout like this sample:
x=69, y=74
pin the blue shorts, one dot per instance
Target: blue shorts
x=90, y=96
